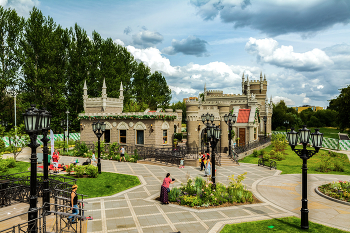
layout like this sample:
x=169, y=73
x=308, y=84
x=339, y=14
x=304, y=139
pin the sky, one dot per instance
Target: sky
x=303, y=47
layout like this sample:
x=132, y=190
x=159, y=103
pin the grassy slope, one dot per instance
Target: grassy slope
x=328, y=132
x=289, y=224
x=292, y=164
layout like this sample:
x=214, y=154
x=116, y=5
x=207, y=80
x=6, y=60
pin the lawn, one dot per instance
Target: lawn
x=288, y=224
x=292, y=164
x=328, y=132
x=105, y=184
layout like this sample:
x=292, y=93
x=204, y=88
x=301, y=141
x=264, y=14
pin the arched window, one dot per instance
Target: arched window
x=122, y=128
x=140, y=128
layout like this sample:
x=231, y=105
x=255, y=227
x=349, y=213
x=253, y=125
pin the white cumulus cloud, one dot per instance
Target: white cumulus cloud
x=287, y=101
x=269, y=51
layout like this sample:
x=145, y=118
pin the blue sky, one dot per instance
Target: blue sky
x=302, y=47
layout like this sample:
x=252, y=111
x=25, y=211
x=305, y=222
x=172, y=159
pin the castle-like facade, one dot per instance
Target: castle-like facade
x=154, y=128
x=250, y=107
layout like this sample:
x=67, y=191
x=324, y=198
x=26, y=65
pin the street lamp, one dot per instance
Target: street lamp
x=45, y=126
x=265, y=120
x=99, y=128
x=67, y=130
x=230, y=119
x=31, y=122
x=64, y=125
x=286, y=123
x=305, y=154
x=207, y=117
x=214, y=134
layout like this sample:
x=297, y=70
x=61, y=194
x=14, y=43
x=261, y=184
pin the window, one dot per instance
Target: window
x=122, y=136
x=140, y=137
x=165, y=136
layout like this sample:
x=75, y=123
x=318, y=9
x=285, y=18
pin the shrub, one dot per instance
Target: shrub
x=262, y=152
x=338, y=166
x=279, y=156
x=91, y=171
x=11, y=162
x=255, y=153
x=272, y=152
x=2, y=145
x=178, y=136
x=332, y=154
x=174, y=194
x=102, y=147
x=266, y=156
x=80, y=148
x=70, y=168
x=325, y=165
x=80, y=170
x=114, y=150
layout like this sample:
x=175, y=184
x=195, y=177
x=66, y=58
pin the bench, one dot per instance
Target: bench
x=268, y=163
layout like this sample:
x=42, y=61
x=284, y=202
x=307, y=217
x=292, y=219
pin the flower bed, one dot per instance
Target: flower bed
x=201, y=193
x=339, y=190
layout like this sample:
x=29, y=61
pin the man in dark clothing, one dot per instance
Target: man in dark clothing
x=202, y=161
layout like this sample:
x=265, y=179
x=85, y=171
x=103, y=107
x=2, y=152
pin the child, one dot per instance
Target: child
x=182, y=163
x=93, y=157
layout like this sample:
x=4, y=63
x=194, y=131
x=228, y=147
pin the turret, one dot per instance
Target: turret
x=104, y=95
x=261, y=83
x=243, y=84
x=248, y=87
x=85, y=96
x=121, y=95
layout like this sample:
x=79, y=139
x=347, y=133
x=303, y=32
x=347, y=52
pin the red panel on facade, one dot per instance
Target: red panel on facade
x=243, y=116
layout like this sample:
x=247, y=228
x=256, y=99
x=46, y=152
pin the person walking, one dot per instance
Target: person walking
x=93, y=157
x=202, y=161
x=164, y=190
x=74, y=203
x=207, y=168
x=122, y=151
x=55, y=159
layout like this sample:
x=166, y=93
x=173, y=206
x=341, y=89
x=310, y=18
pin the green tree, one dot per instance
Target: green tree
x=306, y=115
x=18, y=140
x=341, y=104
x=279, y=114
x=180, y=105
x=158, y=92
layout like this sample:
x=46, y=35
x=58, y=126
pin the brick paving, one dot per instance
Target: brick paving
x=135, y=210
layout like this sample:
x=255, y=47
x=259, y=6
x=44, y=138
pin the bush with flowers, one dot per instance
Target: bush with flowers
x=339, y=190
x=203, y=193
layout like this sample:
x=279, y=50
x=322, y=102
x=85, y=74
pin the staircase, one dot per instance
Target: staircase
x=227, y=161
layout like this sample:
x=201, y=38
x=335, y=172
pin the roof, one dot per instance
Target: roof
x=243, y=116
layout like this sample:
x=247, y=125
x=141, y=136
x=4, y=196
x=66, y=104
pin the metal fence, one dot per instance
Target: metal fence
x=251, y=145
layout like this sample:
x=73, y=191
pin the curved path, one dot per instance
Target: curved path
x=135, y=210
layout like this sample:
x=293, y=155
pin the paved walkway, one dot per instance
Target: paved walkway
x=135, y=210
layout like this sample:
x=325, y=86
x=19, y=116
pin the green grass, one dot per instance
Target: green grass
x=328, y=132
x=292, y=164
x=105, y=184
x=288, y=224
x=20, y=167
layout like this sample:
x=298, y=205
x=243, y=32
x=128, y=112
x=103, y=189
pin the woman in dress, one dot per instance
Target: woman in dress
x=165, y=189
x=207, y=168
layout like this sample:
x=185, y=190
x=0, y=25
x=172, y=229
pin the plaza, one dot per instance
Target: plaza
x=136, y=210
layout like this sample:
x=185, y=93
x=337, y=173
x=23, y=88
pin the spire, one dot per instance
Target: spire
x=104, y=95
x=261, y=78
x=205, y=87
x=85, y=96
x=264, y=77
x=271, y=99
x=243, y=77
x=243, y=84
x=121, y=89
x=85, y=88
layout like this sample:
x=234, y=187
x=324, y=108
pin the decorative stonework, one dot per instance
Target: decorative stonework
x=165, y=125
x=131, y=124
x=140, y=126
x=123, y=126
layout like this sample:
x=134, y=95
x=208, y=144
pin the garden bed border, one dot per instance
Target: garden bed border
x=330, y=198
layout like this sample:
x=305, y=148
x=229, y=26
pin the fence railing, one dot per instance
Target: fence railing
x=251, y=145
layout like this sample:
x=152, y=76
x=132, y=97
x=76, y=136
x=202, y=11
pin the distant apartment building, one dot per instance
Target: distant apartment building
x=304, y=107
x=190, y=98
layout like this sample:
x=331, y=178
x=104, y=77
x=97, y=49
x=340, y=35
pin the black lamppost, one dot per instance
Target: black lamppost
x=214, y=134
x=207, y=117
x=45, y=126
x=230, y=119
x=99, y=128
x=305, y=154
x=286, y=123
x=265, y=120
x=64, y=125
x=31, y=122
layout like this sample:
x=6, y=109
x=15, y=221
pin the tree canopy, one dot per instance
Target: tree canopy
x=48, y=64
